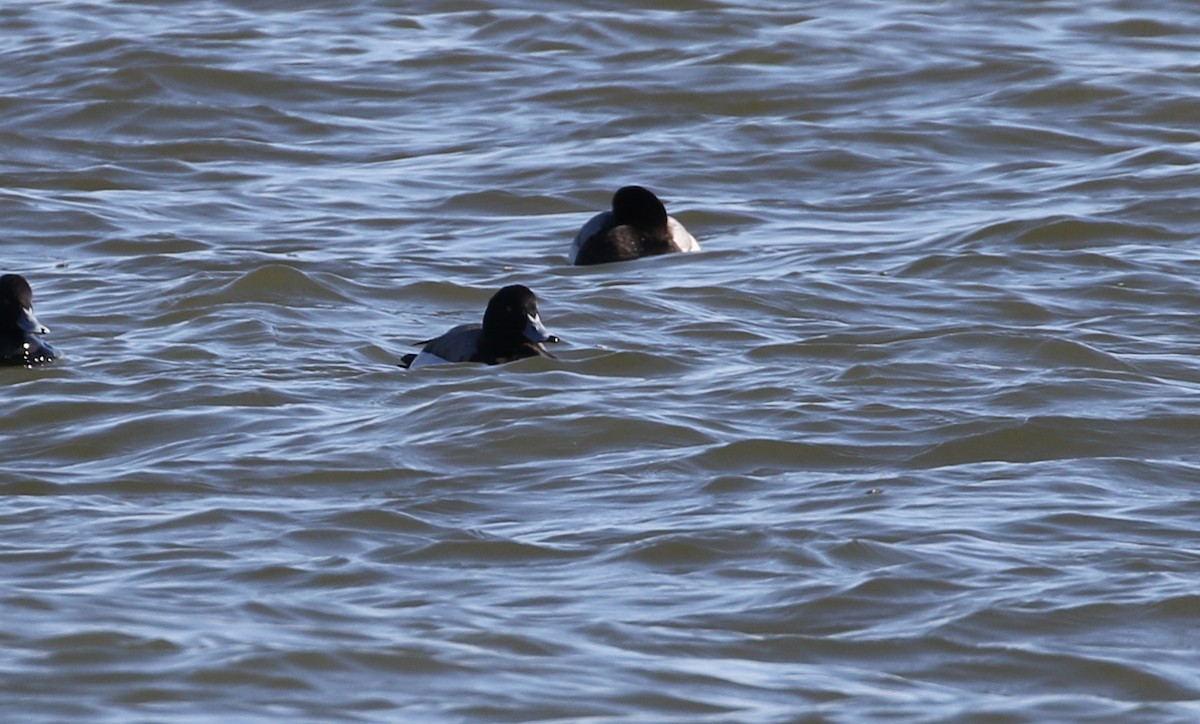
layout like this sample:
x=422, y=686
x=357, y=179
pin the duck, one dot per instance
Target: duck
x=637, y=226
x=20, y=343
x=511, y=330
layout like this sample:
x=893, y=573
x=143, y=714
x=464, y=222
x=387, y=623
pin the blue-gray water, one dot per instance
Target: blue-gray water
x=914, y=438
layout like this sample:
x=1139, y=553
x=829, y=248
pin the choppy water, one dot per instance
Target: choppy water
x=914, y=438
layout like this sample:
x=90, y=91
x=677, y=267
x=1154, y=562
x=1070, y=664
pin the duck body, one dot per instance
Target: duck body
x=511, y=330
x=638, y=225
x=20, y=330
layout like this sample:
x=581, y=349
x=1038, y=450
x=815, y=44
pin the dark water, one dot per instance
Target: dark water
x=912, y=439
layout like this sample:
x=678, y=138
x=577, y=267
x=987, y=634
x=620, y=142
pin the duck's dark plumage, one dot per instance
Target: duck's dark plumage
x=511, y=330
x=20, y=343
x=638, y=225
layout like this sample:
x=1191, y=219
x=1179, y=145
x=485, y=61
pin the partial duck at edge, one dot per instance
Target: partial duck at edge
x=20, y=330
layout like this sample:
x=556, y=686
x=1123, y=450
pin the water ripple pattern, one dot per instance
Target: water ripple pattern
x=912, y=439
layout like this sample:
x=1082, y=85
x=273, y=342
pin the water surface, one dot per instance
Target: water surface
x=912, y=439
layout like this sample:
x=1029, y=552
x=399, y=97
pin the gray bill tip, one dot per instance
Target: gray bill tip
x=535, y=331
x=30, y=324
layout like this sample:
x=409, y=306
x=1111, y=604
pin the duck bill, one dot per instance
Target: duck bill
x=30, y=324
x=535, y=331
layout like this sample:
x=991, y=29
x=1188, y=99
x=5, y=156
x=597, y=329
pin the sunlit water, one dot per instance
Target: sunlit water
x=913, y=438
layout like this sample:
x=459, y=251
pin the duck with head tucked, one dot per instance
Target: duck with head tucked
x=20, y=342
x=511, y=330
x=637, y=226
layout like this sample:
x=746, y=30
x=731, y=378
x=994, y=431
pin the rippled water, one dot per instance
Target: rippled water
x=912, y=439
